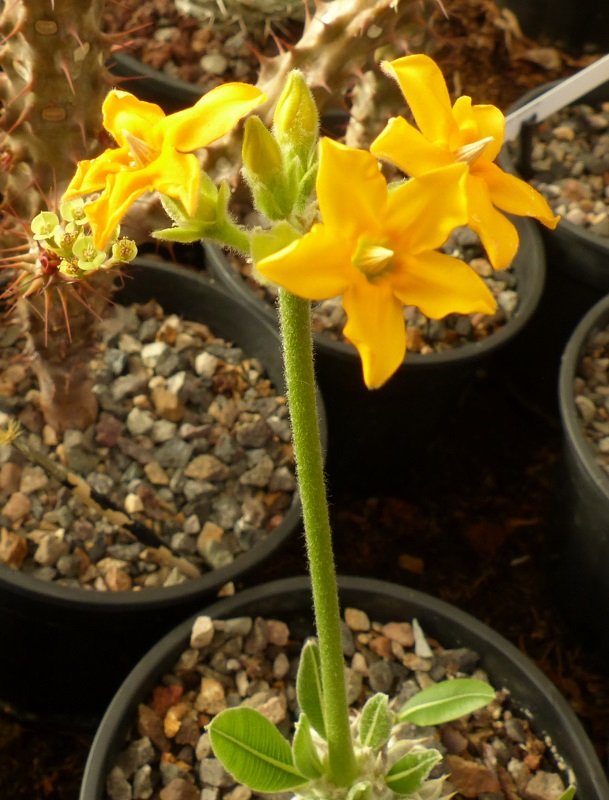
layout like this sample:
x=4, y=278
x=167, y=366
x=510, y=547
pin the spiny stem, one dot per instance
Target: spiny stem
x=300, y=380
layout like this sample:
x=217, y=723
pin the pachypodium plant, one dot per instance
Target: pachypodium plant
x=334, y=226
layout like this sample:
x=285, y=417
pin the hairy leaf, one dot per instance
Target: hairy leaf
x=251, y=748
x=304, y=751
x=409, y=773
x=375, y=722
x=446, y=701
x=308, y=687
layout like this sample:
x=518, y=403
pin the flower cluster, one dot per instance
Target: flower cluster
x=335, y=225
x=68, y=246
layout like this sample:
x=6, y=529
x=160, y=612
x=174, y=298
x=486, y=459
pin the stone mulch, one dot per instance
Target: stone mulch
x=192, y=440
x=492, y=753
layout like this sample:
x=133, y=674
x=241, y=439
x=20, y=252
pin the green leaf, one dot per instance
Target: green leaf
x=266, y=243
x=251, y=748
x=309, y=690
x=446, y=701
x=375, y=722
x=304, y=751
x=409, y=773
x=568, y=794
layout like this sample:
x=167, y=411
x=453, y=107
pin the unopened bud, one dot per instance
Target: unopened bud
x=261, y=154
x=296, y=119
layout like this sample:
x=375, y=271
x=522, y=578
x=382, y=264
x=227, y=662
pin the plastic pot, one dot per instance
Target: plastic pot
x=577, y=276
x=289, y=599
x=376, y=435
x=582, y=26
x=66, y=650
x=172, y=94
x=583, y=501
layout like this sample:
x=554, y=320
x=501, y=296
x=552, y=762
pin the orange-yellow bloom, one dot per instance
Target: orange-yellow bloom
x=155, y=152
x=464, y=133
x=376, y=247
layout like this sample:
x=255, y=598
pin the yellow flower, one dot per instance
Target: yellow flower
x=465, y=133
x=376, y=247
x=155, y=152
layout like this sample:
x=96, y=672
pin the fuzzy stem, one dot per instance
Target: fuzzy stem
x=298, y=360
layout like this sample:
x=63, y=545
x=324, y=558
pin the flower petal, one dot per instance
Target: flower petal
x=91, y=175
x=123, y=111
x=491, y=122
x=351, y=190
x=316, y=267
x=439, y=285
x=516, y=196
x=177, y=175
x=402, y=144
x=376, y=327
x=214, y=115
x=424, y=211
x=498, y=235
x=424, y=89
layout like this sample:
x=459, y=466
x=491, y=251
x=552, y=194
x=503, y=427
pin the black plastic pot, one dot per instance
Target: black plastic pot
x=66, y=650
x=377, y=435
x=290, y=599
x=172, y=94
x=581, y=26
x=583, y=501
x=577, y=276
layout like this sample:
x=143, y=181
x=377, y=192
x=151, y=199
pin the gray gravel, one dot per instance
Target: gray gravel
x=191, y=440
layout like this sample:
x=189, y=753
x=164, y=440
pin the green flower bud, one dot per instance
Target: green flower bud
x=69, y=268
x=261, y=154
x=296, y=119
x=44, y=224
x=73, y=211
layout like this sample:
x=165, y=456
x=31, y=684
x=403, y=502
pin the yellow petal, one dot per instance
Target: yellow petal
x=214, y=115
x=424, y=88
x=316, y=267
x=177, y=175
x=516, y=196
x=91, y=175
x=123, y=111
x=376, y=327
x=403, y=145
x=491, y=122
x=121, y=191
x=351, y=190
x=498, y=235
x=466, y=129
x=424, y=211
x=439, y=285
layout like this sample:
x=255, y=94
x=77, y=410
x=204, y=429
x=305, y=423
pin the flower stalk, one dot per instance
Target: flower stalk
x=294, y=314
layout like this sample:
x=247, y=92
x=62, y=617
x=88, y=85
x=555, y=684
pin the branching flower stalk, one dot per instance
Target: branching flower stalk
x=334, y=226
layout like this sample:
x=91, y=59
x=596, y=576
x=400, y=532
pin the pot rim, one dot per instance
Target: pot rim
x=595, y=319
x=531, y=251
x=162, y=655
x=160, y=597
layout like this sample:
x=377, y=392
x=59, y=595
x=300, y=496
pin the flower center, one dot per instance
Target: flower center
x=141, y=151
x=372, y=259
x=470, y=152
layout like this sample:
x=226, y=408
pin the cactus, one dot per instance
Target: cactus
x=51, y=87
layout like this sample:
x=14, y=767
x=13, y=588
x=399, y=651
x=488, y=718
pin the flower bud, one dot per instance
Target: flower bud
x=261, y=154
x=296, y=119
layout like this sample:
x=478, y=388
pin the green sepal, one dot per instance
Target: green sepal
x=306, y=757
x=251, y=748
x=309, y=690
x=568, y=794
x=375, y=722
x=408, y=774
x=265, y=243
x=183, y=235
x=446, y=701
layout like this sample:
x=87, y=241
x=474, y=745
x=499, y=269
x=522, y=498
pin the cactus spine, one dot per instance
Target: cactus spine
x=52, y=86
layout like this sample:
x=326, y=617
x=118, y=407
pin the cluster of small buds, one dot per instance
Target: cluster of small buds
x=67, y=247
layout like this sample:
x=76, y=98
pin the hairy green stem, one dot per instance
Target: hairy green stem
x=300, y=379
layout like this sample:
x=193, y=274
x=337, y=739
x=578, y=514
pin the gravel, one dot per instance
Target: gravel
x=492, y=754
x=191, y=440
